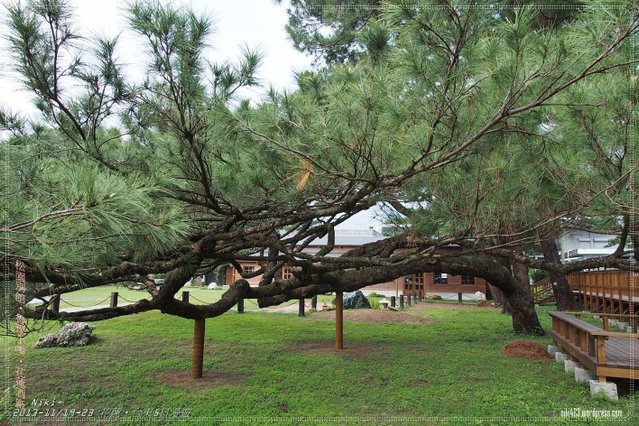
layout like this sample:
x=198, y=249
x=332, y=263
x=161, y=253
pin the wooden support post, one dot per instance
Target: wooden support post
x=55, y=307
x=185, y=296
x=401, y=301
x=314, y=302
x=301, y=308
x=339, y=320
x=240, y=305
x=619, y=303
x=114, y=299
x=583, y=341
x=197, y=356
x=409, y=302
x=605, y=323
x=459, y=298
x=601, y=350
x=393, y=301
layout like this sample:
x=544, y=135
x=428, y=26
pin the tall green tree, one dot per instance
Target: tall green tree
x=181, y=176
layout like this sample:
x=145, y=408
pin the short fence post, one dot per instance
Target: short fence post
x=185, y=296
x=314, y=302
x=55, y=308
x=301, y=308
x=240, y=305
x=393, y=300
x=419, y=297
x=459, y=298
x=114, y=299
x=408, y=299
x=401, y=301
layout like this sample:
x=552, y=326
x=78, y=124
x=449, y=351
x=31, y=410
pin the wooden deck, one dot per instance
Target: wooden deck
x=611, y=291
x=607, y=354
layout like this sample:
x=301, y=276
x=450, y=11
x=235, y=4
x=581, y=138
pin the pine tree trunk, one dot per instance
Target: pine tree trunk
x=563, y=294
x=498, y=293
x=520, y=300
x=524, y=316
x=525, y=319
x=500, y=299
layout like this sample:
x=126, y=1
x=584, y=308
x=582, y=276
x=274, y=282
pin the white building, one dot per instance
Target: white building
x=575, y=244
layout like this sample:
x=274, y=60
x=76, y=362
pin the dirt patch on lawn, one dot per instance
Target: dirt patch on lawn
x=356, y=350
x=526, y=349
x=183, y=379
x=375, y=316
x=441, y=305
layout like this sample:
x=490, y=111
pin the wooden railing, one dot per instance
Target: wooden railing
x=592, y=345
x=542, y=290
x=613, y=281
x=610, y=291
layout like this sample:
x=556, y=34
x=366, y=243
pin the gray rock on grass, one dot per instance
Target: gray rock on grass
x=72, y=334
x=356, y=300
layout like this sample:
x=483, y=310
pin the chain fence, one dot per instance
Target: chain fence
x=128, y=300
x=191, y=297
x=89, y=306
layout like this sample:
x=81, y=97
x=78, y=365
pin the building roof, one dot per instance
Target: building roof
x=352, y=238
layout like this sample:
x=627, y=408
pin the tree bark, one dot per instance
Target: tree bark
x=524, y=316
x=498, y=293
x=561, y=289
x=522, y=303
x=500, y=299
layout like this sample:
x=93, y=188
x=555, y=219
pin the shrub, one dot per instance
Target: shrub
x=375, y=304
x=538, y=274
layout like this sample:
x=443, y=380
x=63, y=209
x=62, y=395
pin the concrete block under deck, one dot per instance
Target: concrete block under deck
x=561, y=357
x=583, y=375
x=609, y=389
x=569, y=366
x=552, y=350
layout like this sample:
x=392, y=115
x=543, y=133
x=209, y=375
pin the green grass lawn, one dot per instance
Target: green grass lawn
x=260, y=367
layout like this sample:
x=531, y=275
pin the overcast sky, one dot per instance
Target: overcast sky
x=256, y=24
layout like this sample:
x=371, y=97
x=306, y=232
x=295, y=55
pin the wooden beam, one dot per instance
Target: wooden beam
x=624, y=373
x=339, y=320
x=197, y=356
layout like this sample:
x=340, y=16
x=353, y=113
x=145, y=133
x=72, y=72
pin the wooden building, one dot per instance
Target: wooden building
x=418, y=284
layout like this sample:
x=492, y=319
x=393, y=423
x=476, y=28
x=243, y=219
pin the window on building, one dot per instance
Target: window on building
x=440, y=278
x=419, y=281
x=408, y=282
x=287, y=273
x=468, y=280
x=249, y=269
